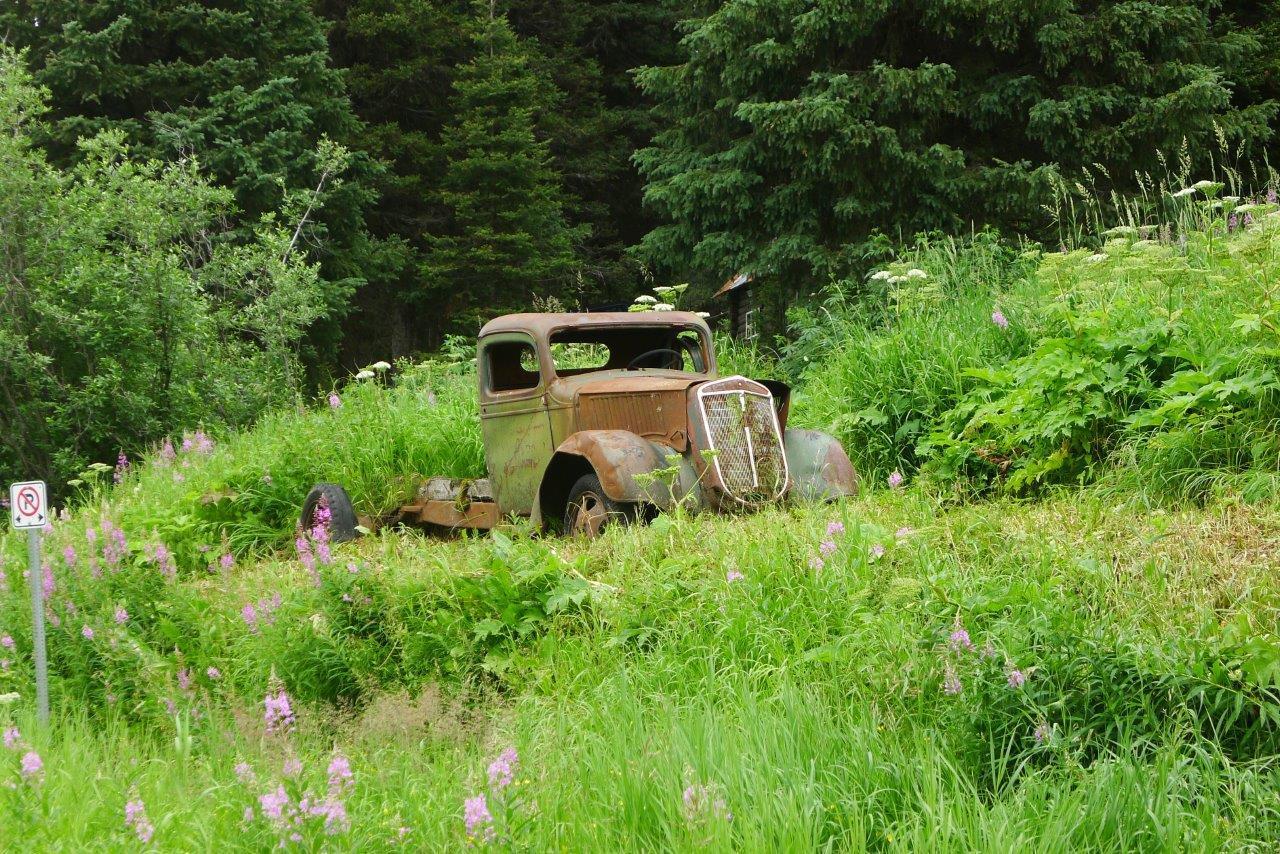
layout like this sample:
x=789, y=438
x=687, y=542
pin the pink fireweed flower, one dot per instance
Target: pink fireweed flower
x=274, y=802
x=827, y=548
x=121, y=616
x=292, y=767
x=47, y=581
x=4, y=663
x=502, y=771
x=227, y=561
x=998, y=318
x=248, y=815
x=12, y=737
x=903, y=532
x=877, y=551
x=167, y=453
x=478, y=819
x=334, y=401
x=32, y=765
x=160, y=555
x=950, y=681
x=816, y=563
x=184, y=679
x=895, y=479
x=277, y=713
x=69, y=556
x=114, y=545
x=135, y=816
x=1271, y=195
x=733, y=575
x=988, y=649
x=244, y=773
x=122, y=468
x=250, y=616
x=87, y=632
x=7, y=641
x=835, y=529
x=959, y=640
x=1043, y=732
x=340, y=776
x=213, y=673
x=1017, y=678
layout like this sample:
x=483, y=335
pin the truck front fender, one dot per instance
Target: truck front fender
x=616, y=456
x=820, y=469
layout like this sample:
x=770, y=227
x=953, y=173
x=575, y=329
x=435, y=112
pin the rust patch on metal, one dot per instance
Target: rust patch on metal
x=656, y=415
x=479, y=515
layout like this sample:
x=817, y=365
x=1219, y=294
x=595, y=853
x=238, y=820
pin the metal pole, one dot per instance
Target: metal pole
x=37, y=624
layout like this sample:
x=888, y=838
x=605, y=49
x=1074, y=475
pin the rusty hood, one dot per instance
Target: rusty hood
x=649, y=405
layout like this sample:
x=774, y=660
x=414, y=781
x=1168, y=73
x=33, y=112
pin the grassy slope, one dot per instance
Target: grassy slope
x=812, y=703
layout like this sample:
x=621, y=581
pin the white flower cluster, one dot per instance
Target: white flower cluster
x=896, y=278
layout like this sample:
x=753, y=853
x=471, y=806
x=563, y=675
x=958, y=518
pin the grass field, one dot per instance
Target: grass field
x=1059, y=634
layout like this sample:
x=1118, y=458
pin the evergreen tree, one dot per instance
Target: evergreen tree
x=243, y=86
x=402, y=56
x=794, y=131
x=505, y=238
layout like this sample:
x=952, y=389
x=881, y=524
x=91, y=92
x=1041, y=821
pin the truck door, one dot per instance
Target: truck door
x=513, y=419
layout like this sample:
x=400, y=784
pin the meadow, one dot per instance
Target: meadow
x=1048, y=623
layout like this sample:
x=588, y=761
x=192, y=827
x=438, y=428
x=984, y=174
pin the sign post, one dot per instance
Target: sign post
x=29, y=508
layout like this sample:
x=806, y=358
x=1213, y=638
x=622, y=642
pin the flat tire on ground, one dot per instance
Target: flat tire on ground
x=342, y=521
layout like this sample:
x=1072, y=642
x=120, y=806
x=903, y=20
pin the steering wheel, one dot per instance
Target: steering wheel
x=631, y=366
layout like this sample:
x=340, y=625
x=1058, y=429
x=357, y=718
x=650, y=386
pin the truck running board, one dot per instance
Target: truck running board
x=451, y=503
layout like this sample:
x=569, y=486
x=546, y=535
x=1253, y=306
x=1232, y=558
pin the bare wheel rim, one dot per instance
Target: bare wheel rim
x=588, y=515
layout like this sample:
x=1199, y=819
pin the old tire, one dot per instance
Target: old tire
x=342, y=521
x=588, y=510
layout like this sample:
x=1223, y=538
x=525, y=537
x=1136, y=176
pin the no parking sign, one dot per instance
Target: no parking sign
x=28, y=504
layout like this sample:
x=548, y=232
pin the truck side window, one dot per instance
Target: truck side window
x=691, y=346
x=511, y=366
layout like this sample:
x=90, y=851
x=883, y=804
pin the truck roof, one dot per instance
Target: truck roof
x=541, y=324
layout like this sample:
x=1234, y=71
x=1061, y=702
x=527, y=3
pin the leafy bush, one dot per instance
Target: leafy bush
x=880, y=363
x=127, y=310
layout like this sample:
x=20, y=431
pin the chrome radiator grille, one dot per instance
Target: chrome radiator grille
x=742, y=429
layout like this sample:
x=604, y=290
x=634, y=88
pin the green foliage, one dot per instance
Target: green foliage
x=401, y=61
x=243, y=89
x=880, y=363
x=126, y=315
x=792, y=134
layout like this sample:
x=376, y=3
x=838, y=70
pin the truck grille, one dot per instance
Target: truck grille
x=742, y=430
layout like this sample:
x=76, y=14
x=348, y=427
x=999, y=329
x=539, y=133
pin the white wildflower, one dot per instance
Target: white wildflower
x=381, y=366
x=703, y=314
x=1204, y=185
x=664, y=306
x=1184, y=192
x=880, y=275
x=917, y=273
x=646, y=300
x=663, y=290
x=1096, y=257
x=365, y=375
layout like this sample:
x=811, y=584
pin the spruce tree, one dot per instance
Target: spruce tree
x=795, y=131
x=505, y=237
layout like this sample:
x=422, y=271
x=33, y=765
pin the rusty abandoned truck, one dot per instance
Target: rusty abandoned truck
x=592, y=418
